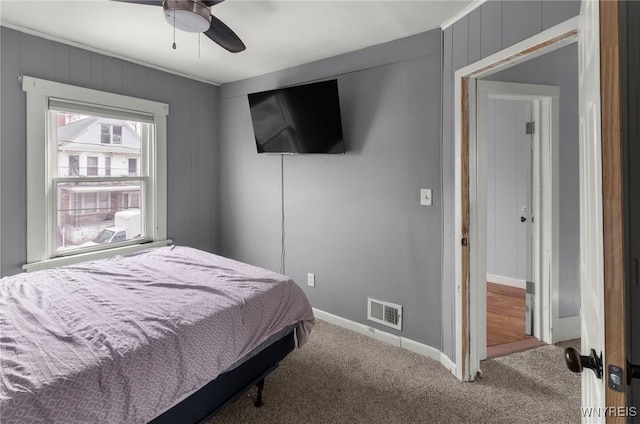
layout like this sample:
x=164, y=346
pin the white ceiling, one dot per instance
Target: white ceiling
x=278, y=34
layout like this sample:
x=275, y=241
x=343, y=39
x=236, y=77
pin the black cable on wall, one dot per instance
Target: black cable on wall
x=282, y=252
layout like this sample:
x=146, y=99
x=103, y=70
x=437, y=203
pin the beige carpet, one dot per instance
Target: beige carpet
x=343, y=377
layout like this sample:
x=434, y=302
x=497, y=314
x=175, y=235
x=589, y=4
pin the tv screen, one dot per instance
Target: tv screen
x=301, y=119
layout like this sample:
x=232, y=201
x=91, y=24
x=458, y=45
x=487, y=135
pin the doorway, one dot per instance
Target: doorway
x=470, y=212
x=510, y=219
x=515, y=211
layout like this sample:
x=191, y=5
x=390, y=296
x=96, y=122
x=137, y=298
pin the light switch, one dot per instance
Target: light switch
x=425, y=196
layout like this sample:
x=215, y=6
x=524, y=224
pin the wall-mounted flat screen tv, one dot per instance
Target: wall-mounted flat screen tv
x=300, y=119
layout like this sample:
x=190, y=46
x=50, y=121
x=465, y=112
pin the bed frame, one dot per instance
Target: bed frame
x=229, y=386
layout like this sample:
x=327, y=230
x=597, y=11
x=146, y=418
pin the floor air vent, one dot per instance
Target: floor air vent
x=385, y=313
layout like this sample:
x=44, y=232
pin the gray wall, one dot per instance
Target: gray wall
x=354, y=220
x=506, y=189
x=560, y=68
x=488, y=29
x=192, y=135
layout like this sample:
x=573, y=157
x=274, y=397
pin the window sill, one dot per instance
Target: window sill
x=101, y=254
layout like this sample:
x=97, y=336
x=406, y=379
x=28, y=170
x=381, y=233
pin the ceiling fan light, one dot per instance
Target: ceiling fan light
x=190, y=16
x=187, y=21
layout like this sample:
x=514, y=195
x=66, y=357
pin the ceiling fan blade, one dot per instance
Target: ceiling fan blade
x=208, y=3
x=147, y=2
x=224, y=36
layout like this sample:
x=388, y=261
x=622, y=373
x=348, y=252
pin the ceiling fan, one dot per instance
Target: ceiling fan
x=195, y=16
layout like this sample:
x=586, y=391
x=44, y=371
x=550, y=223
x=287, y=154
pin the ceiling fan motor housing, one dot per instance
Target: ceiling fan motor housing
x=187, y=15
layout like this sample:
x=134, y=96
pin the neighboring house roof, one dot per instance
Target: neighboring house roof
x=71, y=131
x=67, y=134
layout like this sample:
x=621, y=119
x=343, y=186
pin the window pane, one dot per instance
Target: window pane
x=91, y=214
x=74, y=165
x=117, y=134
x=133, y=166
x=89, y=202
x=103, y=201
x=92, y=165
x=85, y=136
x=105, y=135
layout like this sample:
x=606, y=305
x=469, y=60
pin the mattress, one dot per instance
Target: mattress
x=121, y=339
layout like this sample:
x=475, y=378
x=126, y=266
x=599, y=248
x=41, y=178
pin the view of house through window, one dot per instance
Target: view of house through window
x=99, y=185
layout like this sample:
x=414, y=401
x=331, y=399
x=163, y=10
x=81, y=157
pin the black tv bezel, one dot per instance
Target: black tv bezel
x=336, y=89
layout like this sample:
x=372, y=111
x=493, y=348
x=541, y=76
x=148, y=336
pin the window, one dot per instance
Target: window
x=105, y=134
x=120, y=236
x=89, y=203
x=116, y=135
x=131, y=200
x=133, y=166
x=74, y=165
x=92, y=165
x=104, y=204
x=65, y=208
x=110, y=134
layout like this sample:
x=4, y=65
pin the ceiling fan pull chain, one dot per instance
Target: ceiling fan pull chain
x=174, y=30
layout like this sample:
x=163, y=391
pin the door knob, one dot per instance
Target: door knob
x=576, y=362
x=523, y=219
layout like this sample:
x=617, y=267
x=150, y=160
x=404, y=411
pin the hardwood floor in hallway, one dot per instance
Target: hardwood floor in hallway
x=506, y=321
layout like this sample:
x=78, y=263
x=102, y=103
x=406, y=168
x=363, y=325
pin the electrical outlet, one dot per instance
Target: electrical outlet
x=311, y=279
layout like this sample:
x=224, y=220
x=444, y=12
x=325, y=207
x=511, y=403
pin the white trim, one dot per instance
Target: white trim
x=566, y=328
x=87, y=256
x=69, y=92
x=498, y=61
x=457, y=230
x=461, y=14
x=448, y=363
x=507, y=281
x=517, y=53
x=383, y=336
x=103, y=52
x=40, y=167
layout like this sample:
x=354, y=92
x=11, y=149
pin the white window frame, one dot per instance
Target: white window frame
x=112, y=132
x=97, y=167
x=111, y=128
x=77, y=169
x=41, y=159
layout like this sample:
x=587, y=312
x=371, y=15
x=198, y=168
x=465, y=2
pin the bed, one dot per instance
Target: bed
x=167, y=335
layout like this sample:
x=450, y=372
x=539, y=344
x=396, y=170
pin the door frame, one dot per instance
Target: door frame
x=612, y=186
x=613, y=200
x=544, y=207
x=467, y=358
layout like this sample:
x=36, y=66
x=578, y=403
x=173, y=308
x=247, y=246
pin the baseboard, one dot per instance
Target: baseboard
x=566, y=328
x=448, y=363
x=392, y=339
x=507, y=281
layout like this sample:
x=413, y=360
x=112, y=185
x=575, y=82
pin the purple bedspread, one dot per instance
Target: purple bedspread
x=120, y=340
